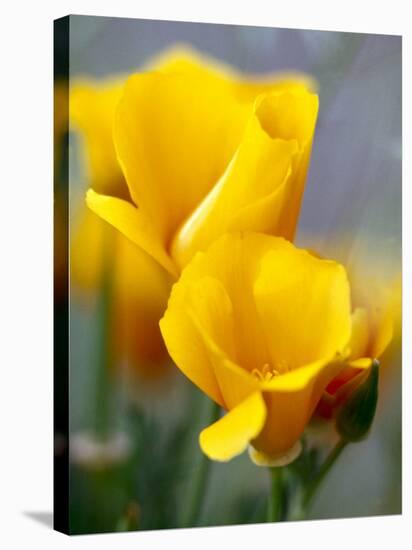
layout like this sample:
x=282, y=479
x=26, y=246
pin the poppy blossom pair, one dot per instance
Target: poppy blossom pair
x=205, y=177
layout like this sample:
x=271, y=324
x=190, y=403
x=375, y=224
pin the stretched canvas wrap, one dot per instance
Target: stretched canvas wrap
x=227, y=299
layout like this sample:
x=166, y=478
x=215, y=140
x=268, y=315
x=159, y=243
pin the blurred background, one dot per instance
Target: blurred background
x=133, y=438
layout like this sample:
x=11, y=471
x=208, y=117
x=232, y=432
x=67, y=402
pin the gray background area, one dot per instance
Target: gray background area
x=353, y=190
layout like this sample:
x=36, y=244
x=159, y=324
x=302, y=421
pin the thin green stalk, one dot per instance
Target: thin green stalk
x=196, y=497
x=104, y=356
x=326, y=466
x=276, y=496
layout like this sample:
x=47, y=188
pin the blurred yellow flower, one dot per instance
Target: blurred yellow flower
x=92, y=108
x=60, y=122
x=140, y=289
x=206, y=151
x=60, y=127
x=140, y=286
x=262, y=328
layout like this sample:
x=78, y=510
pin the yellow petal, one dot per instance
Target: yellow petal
x=304, y=307
x=259, y=169
x=92, y=108
x=133, y=223
x=185, y=343
x=211, y=311
x=208, y=303
x=263, y=215
x=174, y=136
x=262, y=187
x=182, y=58
x=234, y=260
x=360, y=363
x=198, y=329
x=291, y=115
x=230, y=436
x=238, y=271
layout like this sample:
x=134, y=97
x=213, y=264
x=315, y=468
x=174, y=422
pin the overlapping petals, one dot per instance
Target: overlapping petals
x=262, y=328
x=203, y=153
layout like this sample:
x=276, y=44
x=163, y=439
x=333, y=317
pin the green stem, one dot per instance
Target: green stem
x=104, y=357
x=276, y=496
x=324, y=469
x=196, y=498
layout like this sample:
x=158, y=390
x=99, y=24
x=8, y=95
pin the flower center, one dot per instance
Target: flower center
x=267, y=372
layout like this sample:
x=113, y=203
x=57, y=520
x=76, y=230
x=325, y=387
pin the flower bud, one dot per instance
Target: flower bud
x=355, y=416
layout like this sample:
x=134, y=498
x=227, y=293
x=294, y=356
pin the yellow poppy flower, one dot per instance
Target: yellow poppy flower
x=262, y=328
x=205, y=151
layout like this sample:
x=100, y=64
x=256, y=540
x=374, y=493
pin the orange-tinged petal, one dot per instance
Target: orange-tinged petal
x=132, y=222
x=290, y=401
x=230, y=435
